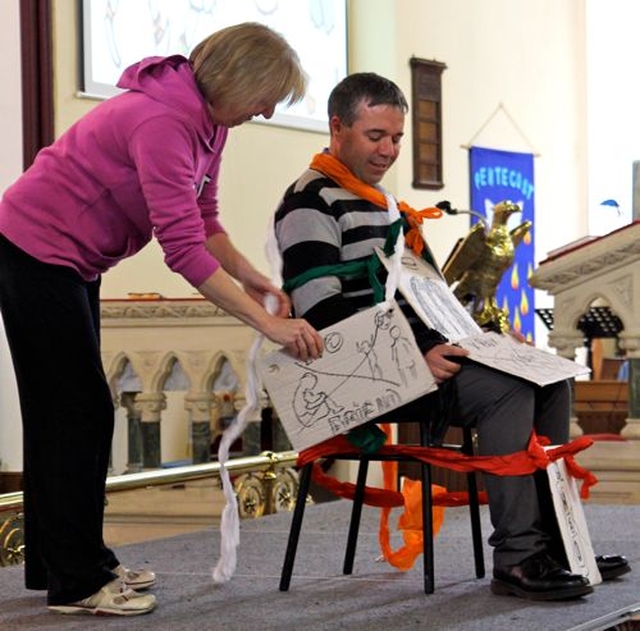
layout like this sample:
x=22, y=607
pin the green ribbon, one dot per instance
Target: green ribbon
x=368, y=438
x=352, y=269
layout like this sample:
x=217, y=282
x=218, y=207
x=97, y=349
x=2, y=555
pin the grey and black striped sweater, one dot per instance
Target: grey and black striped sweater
x=320, y=223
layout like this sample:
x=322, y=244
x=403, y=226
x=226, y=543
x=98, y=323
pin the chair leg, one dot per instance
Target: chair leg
x=427, y=519
x=296, y=525
x=356, y=513
x=474, y=507
x=427, y=530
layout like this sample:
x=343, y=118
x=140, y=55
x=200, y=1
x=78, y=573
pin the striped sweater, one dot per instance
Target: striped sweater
x=319, y=223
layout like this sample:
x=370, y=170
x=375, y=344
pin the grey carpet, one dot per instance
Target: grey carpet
x=375, y=598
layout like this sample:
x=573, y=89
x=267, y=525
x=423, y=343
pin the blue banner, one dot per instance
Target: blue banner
x=497, y=176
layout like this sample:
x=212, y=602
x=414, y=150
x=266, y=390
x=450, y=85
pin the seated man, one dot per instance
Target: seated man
x=327, y=218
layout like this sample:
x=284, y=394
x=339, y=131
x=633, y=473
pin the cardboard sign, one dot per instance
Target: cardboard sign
x=572, y=522
x=436, y=305
x=371, y=365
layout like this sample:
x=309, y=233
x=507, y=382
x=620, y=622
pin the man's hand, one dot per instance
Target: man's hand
x=439, y=361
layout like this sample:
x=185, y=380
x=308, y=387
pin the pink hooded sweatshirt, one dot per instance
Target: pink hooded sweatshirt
x=144, y=163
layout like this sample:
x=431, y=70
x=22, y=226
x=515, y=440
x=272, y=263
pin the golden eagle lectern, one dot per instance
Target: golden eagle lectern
x=479, y=260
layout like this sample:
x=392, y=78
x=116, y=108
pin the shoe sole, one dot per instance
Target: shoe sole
x=140, y=586
x=615, y=573
x=97, y=611
x=501, y=588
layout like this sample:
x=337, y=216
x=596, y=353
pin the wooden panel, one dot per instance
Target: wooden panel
x=601, y=407
x=427, y=123
x=608, y=392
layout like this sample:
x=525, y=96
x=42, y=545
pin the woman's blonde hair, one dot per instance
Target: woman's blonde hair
x=246, y=63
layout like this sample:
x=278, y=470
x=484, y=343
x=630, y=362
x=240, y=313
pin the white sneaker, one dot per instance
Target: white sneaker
x=135, y=579
x=111, y=600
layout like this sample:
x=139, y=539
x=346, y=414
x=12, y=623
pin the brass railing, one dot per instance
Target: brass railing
x=264, y=484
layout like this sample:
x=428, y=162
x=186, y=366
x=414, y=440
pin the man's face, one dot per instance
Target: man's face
x=372, y=144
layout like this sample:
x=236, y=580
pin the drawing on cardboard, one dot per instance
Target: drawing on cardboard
x=425, y=289
x=572, y=523
x=436, y=305
x=504, y=353
x=371, y=365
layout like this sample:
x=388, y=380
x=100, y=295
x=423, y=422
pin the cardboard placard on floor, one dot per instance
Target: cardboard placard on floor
x=572, y=522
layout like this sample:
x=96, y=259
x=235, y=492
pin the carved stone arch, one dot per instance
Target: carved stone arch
x=570, y=315
x=215, y=368
x=611, y=300
x=164, y=369
x=196, y=366
x=238, y=362
x=571, y=309
x=150, y=367
x=114, y=365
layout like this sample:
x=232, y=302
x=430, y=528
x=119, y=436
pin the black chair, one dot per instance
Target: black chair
x=427, y=505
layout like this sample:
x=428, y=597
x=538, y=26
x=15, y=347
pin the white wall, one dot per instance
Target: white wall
x=613, y=97
x=10, y=168
x=528, y=56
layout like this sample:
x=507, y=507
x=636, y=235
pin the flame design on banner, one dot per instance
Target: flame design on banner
x=524, y=303
x=515, y=281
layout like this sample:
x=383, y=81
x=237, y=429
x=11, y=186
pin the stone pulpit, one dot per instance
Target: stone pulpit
x=602, y=270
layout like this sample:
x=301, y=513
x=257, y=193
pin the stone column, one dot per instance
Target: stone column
x=251, y=439
x=636, y=190
x=631, y=430
x=150, y=406
x=115, y=401
x=134, y=432
x=198, y=405
x=630, y=342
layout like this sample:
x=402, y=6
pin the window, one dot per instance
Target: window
x=426, y=81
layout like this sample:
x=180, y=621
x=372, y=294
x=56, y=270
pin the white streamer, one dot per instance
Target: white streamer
x=230, y=521
x=393, y=279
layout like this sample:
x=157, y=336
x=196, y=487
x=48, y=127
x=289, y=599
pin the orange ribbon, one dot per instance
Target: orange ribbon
x=332, y=167
x=520, y=463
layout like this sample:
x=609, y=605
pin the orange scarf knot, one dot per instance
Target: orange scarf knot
x=332, y=168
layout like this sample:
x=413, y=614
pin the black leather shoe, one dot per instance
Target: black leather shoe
x=539, y=578
x=612, y=565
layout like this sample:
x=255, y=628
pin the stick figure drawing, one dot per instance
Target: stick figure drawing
x=311, y=405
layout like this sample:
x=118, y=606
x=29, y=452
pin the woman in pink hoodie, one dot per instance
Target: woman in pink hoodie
x=142, y=164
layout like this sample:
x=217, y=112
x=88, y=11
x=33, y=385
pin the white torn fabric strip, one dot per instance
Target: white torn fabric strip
x=230, y=521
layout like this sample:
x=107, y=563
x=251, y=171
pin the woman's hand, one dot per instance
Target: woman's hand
x=259, y=287
x=255, y=284
x=298, y=337
x=441, y=367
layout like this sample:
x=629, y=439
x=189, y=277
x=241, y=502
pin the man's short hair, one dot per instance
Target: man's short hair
x=367, y=87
